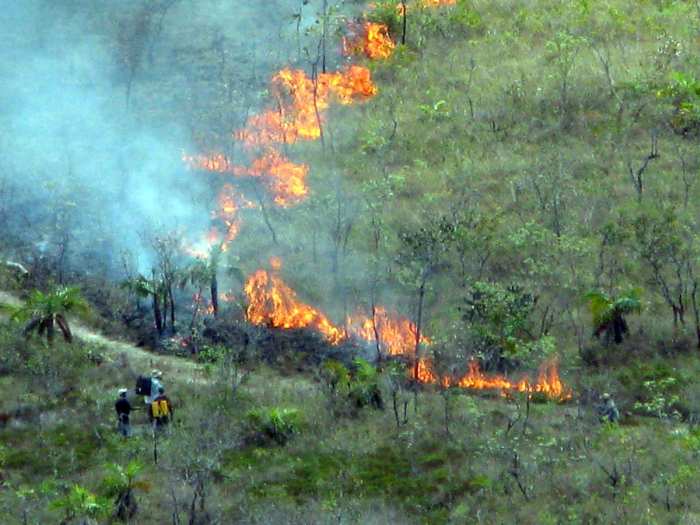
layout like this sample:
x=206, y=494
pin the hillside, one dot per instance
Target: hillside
x=389, y=257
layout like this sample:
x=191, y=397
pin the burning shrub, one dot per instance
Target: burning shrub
x=273, y=425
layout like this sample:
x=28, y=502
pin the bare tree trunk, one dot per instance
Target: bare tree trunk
x=172, y=306
x=696, y=312
x=214, y=290
x=266, y=218
x=394, y=401
x=156, y=308
x=324, y=36
x=403, y=22
x=419, y=321
x=165, y=309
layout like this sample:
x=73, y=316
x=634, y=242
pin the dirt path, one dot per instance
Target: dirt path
x=176, y=369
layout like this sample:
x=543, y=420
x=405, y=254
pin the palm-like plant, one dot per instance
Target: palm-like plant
x=42, y=312
x=142, y=287
x=609, y=313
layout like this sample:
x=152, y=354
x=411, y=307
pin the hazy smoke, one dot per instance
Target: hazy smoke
x=100, y=100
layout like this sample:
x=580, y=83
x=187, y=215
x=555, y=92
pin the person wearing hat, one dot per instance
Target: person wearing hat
x=608, y=412
x=156, y=383
x=123, y=408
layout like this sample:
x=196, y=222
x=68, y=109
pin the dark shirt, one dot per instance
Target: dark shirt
x=123, y=408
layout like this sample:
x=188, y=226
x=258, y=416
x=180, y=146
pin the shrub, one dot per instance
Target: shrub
x=364, y=387
x=273, y=425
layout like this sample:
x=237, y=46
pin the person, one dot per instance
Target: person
x=123, y=408
x=608, y=412
x=161, y=410
x=156, y=383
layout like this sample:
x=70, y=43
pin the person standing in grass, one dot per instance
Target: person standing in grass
x=608, y=411
x=156, y=384
x=123, y=408
x=161, y=410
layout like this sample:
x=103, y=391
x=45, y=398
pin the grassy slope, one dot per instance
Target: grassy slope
x=562, y=467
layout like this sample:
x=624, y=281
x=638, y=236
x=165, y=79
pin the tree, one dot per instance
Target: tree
x=42, y=312
x=120, y=484
x=143, y=287
x=498, y=319
x=421, y=254
x=166, y=248
x=609, y=313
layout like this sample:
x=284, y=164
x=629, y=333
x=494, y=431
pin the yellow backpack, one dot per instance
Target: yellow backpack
x=160, y=408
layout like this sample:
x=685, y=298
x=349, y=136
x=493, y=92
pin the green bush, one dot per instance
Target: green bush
x=273, y=425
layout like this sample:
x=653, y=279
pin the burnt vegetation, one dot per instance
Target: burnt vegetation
x=389, y=257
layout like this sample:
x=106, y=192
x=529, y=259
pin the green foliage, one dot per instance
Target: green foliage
x=498, y=320
x=80, y=503
x=139, y=286
x=351, y=390
x=43, y=311
x=274, y=425
x=609, y=313
x=364, y=387
x=63, y=299
x=120, y=479
x=660, y=398
x=683, y=92
x=385, y=12
x=336, y=375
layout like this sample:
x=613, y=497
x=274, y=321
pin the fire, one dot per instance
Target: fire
x=548, y=381
x=301, y=103
x=438, y=3
x=397, y=335
x=228, y=297
x=216, y=162
x=201, y=305
x=426, y=4
x=284, y=179
x=374, y=41
x=229, y=204
x=272, y=303
x=425, y=371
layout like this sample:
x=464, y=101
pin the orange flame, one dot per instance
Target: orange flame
x=373, y=41
x=228, y=297
x=201, y=305
x=272, y=303
x=438, y=3
x=216, y=162
x=284, y=179
x=301, y=103
x=397, y=335
x=548, y=381
x=426, y=4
